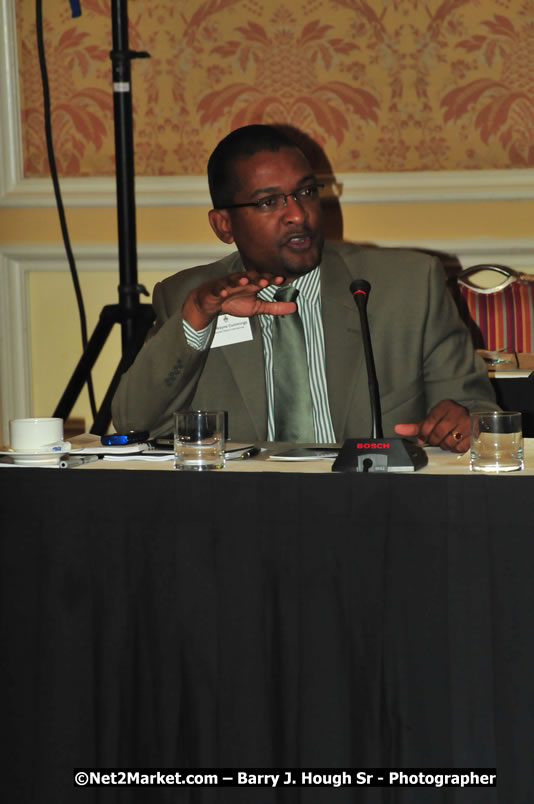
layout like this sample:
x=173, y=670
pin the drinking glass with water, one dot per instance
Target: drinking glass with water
x=496, y=441
x=199, y=437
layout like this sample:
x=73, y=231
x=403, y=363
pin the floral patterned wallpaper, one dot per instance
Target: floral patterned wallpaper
x=382, y=85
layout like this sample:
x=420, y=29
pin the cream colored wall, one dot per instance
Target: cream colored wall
x=378, y=222
x=370, y=222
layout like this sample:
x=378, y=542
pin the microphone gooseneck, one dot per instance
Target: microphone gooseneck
x=375, y=454
x=360, y=290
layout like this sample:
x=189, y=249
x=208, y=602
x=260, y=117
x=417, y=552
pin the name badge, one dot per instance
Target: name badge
x=231, y=329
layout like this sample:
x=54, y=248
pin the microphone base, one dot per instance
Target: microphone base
x=380, y=455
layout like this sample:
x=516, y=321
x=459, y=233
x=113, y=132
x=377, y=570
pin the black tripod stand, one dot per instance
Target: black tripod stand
x=134, y=318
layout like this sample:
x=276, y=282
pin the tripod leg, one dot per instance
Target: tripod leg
x=142, y=324
x=108, y=317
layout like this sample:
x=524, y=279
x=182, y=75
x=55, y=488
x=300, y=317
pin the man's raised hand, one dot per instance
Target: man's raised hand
x=235, y=294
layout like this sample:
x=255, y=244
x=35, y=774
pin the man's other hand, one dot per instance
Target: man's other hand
x=446, y=426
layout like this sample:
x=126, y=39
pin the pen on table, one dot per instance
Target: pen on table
x=77, y=460
x=250, y=453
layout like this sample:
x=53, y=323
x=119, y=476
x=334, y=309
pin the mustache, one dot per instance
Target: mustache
x=303, y=231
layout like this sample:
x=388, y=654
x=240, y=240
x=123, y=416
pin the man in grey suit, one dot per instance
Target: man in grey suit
x=211, y=346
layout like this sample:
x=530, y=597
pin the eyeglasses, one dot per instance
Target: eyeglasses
x=274, y=203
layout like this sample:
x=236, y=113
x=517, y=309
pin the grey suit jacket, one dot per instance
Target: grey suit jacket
x=422, y=351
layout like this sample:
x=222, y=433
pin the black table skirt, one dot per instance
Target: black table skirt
x=155, y=619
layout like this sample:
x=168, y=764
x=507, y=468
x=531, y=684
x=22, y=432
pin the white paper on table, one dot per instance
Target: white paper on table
x=306, y=454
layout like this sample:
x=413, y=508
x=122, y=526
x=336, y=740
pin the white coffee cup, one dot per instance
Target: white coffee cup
x=38, y=434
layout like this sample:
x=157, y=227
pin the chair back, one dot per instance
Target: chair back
x=500, y=317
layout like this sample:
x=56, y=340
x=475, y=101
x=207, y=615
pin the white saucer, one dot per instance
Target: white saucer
x=46, y=456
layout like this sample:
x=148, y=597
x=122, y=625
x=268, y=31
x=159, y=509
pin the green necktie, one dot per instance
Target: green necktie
x=293, y=411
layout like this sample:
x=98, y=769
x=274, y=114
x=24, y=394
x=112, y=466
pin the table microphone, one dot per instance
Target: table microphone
x=375, y=454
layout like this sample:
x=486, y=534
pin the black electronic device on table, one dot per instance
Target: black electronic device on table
x=122, y=439
x=163, y=442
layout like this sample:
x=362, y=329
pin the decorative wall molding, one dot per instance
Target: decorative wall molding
x=363, y=188
x=17, y=262
x=11, y=162
x=15, y=342
x=400, y=187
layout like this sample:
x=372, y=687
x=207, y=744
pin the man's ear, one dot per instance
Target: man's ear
x=221, y=224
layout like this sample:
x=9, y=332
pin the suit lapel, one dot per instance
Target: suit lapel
x=247, y=366
x=345, y=364
x=246, y=363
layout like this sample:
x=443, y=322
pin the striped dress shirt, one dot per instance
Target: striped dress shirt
x=309, y=307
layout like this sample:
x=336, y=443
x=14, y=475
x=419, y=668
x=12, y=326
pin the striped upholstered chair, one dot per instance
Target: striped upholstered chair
x=500, y=317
